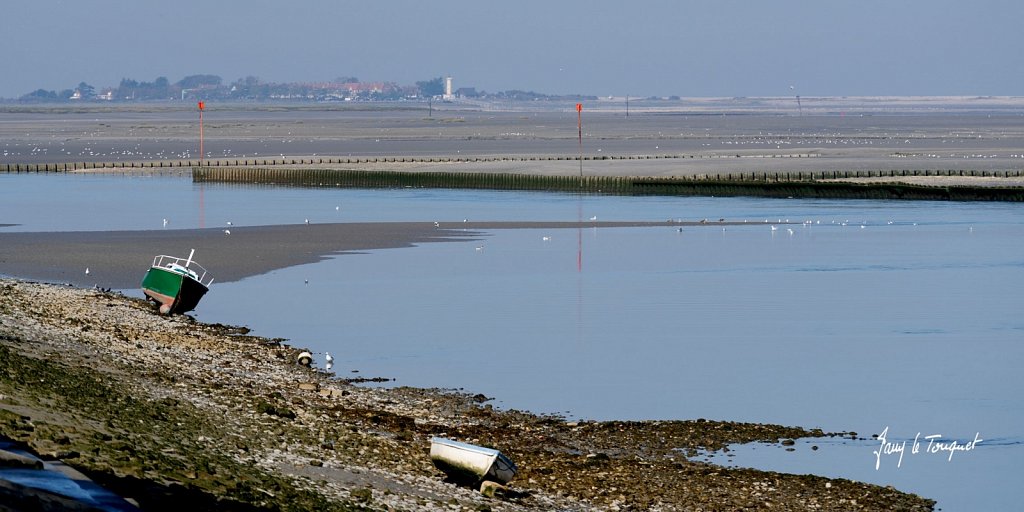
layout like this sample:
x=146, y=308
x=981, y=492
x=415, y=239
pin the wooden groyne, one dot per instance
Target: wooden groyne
x=265, y=162
x=765, y=184
x=283, y=171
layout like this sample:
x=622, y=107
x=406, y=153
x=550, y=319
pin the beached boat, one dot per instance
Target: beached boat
x=470, y=463
x=175, y=283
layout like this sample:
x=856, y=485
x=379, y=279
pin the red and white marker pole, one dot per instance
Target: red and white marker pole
x=202, y=106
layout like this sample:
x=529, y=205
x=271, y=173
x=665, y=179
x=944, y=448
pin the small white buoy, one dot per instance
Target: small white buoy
x=227, y=231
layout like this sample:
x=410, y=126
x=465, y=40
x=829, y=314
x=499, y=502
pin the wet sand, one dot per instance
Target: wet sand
x=703, y=138
x=118, y=259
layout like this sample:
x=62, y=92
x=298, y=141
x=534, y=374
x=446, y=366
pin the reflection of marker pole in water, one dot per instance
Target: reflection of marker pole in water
x=580, y=228
x=201, y=107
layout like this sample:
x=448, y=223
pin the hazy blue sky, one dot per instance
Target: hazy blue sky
x=706, y=48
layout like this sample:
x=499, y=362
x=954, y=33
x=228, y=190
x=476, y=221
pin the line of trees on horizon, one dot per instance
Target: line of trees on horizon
x=212, y=87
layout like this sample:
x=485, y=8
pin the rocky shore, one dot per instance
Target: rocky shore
x=175, y=414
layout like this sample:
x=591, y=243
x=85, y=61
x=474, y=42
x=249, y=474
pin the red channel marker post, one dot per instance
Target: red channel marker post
x=202, y=106
x=579, y=126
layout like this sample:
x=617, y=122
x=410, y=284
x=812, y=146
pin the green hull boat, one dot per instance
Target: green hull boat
x=176, y=284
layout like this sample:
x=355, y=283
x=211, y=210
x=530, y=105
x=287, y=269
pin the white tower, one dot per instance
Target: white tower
x=448, y=88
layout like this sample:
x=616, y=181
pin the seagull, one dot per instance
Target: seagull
x=437, y=224
x=790, y=231
x=337, y=208
x=86, y=270
x=230, y=224
x=774, y=228
x=307, y=222
x=329, y=359
x=594, y=217
x=545, y=238
x=165, y=223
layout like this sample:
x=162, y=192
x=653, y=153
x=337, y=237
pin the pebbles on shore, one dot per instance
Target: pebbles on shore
x=168, y=410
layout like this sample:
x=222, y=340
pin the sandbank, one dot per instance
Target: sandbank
x=118, y=259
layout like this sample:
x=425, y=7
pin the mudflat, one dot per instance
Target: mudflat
x=699, y=136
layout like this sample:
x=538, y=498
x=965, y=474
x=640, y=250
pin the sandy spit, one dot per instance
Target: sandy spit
x=119, y=259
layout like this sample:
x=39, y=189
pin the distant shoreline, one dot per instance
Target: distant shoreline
x=882, y=105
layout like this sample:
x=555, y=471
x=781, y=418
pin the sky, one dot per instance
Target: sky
x=709, y=48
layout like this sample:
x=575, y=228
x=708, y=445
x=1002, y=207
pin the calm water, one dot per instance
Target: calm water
x=905, y=317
